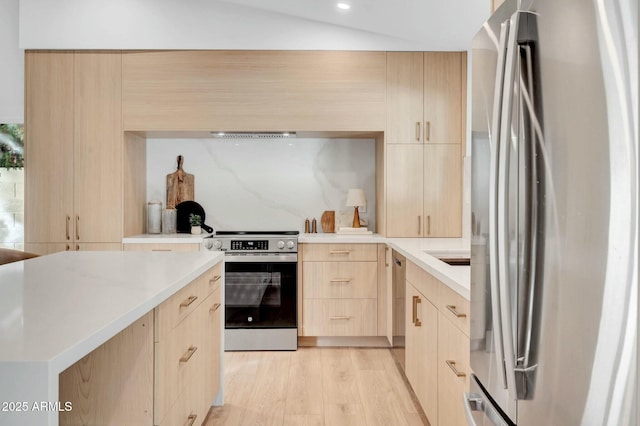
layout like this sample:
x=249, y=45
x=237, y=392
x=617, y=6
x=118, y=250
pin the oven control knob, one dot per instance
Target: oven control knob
x=290, y=244
x=208, y=244
x=217, y=244
x=280, y=244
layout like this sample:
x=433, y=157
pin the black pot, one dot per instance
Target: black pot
x=184, y=210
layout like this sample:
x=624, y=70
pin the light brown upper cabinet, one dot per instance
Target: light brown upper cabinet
x=404, y=190
x=74, y=170
x=442, y=191
x=254, y=91
x=425, y=97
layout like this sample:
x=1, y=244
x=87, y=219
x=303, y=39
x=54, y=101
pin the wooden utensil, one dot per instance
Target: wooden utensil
x=328, y=221
x=180, y=186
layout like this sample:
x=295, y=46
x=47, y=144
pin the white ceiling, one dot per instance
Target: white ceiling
x=441, y=24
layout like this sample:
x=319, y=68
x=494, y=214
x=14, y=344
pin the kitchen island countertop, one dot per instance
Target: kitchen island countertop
x=56, y=309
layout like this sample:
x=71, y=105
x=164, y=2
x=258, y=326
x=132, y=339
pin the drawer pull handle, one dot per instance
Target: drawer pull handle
x=160, y=249
x=427, y=131
x=78, y=227
x=68, y=221
x=215, y=307
x=215, y=279
x=188, y=302
x=416, y=321
x=191, y=419
x=452, y=366
x=452, y=309
x=188, y=354
x=418, y=131
x=340, y=318
x=341, y=280
x=339, y=251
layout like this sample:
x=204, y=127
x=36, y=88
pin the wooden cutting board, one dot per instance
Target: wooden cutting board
x=180, y=186
x=328, y=221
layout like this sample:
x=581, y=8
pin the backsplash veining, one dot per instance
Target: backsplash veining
x=267, y=184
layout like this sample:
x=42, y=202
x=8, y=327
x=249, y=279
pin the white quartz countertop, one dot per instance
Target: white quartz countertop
x=57, y=308
x=423, y=252
x=341, y=238
x=164, y=239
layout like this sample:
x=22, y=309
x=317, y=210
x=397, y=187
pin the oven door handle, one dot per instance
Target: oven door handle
x=261, y=258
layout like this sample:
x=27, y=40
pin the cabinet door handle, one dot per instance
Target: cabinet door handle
x=416, y=321
x=78, y=227
x=215, y=307
x=340, y=318
x=188, y=354
x=341, y=280
x=191, y=420
x=68, y=226
x=418, y=131
x=452, y=309
x=386, y=257
x=188, y=302
x=339, y=251
x=452, y=366
x=77, y=247
x=428, y=224
x=427, y=130
x=214, y=279
x=419, y=224
x=68, y=248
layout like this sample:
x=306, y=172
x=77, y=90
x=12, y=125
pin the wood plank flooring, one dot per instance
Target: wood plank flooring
x=315, y=386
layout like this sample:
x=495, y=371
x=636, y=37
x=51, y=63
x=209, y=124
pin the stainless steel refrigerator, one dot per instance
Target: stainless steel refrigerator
x=554, y=267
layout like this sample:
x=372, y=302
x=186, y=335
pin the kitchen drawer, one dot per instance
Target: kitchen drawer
x=185, y=410
x=339, y=280
x=213, y=279
x=424, y=282
x=340, y=317
x=453, y=372
x=339, y=252
x=175, y=309
x=161, y=247
x=454, y=307
x=178, y=361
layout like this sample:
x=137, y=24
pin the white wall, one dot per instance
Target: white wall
x=11, y=65
x=267, y=184
x=187, y=24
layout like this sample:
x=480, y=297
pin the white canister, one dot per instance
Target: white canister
x=169, y=221
x=154, y=217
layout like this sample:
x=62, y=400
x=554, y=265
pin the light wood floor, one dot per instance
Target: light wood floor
x=315, y=386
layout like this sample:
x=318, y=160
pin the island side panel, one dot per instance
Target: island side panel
x=114, y=383
x=29, y=394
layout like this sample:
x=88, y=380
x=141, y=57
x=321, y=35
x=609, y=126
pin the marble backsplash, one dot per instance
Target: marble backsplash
x=267, y=184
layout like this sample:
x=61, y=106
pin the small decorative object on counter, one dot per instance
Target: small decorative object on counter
x=306, y=226
x=196, y=221
x=169, y=221
x=154, y=217
x=328, y=221
x=314, y=226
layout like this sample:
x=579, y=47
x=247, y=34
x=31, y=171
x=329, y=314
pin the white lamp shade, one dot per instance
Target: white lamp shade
x=355, y=198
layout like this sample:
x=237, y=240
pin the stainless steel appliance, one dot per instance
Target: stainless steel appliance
x=261, y=289
x=555, y=209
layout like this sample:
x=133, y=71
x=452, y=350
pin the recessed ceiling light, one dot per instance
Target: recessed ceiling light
x=343, y=6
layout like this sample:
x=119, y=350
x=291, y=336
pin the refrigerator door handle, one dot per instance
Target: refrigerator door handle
x=506, y=309
x=493, y=214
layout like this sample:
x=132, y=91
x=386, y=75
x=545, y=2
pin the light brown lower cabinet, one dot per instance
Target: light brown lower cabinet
x=164, y=369
x=340, y=290
x=421, y=350
x=436, y=346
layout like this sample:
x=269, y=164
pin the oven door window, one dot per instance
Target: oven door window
x=260, y=295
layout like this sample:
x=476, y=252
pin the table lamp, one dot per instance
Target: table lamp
x=355, y=198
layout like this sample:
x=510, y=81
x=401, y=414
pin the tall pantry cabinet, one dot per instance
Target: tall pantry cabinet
x=424, y=136
x=74, y=151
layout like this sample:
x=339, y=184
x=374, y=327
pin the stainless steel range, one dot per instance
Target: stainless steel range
x=261, y=289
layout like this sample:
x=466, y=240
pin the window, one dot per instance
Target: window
x=12, y=186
